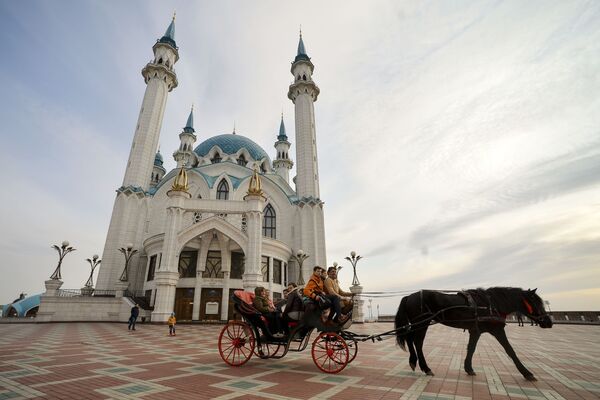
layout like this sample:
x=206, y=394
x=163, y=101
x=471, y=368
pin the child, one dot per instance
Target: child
x=172, y=321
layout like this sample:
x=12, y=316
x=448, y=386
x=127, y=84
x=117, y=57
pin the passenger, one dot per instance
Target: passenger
x=315, y=290
x=261, y=303
x=332, y=288
x=293, y=306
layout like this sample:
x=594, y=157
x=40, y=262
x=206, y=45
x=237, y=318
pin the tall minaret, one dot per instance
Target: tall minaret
x=160, y=79
x=128, y=220
x=184, y=155
x=303, y=93
x=282, y=163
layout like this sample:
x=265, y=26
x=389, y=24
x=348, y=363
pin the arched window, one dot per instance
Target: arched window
x=303, y=77
x=160, y=60
x=242, y=160
x=269, y=222
x=223, y=190
x=263, y=169
x=216, y=158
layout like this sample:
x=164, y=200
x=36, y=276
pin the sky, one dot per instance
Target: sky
x=458, y=142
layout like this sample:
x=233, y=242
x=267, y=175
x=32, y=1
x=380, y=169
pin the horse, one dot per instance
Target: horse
x=475, y=310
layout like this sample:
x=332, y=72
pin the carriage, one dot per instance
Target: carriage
x=332, y=350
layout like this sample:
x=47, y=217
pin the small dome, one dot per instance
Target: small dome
x=230, y=144
x=158, y=159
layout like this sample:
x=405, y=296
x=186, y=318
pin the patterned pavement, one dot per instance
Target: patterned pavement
x=105, y=361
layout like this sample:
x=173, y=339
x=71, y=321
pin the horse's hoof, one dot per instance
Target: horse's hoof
x=471, y=373
x=531, y=378
x=413, y=366
x=429, y=373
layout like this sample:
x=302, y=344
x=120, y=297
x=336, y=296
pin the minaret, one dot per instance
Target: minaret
x=160, y=79
x=184, y=155
x=127, y=222
x=303, y=93
x=158, y=171
x=282, y=163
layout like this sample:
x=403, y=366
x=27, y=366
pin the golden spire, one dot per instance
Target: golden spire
x=180, y=184
x=255, y=187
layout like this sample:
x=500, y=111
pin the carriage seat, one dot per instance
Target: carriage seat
x=245, y=304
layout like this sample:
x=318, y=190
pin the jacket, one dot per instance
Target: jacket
x=314, y=287
x=171, y=320
x=332, y=286
x=261, y=304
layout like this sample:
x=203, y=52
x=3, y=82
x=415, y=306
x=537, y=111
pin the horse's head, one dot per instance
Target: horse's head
x=533, y=307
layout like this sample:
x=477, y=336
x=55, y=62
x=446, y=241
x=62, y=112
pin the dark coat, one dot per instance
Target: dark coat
x=135, y=311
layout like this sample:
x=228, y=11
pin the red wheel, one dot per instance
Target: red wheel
x=236, y=343
x=353, y=350
x=267, y=350
x=330, y=352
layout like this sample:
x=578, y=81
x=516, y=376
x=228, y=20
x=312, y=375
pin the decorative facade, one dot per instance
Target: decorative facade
x=226, y=218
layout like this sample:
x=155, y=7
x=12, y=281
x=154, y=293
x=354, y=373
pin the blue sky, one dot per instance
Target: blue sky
x=459, y=142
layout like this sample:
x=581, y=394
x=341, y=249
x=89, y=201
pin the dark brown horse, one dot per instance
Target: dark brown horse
x=477, y=310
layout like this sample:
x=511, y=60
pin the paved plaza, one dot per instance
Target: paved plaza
x=105, y=361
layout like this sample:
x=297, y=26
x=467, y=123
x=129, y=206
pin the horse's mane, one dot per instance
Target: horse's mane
x=501, y=298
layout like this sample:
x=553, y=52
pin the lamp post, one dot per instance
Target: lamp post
x=353, y=260
x=63, y=250
x=128, y=252
x=94, y=262
x=371, y=310
x=300, y=256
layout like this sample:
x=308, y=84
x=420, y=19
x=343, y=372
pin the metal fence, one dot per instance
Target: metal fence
x=85, y=293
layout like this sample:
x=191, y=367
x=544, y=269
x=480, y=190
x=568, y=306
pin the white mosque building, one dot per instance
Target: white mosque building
x=227, y=218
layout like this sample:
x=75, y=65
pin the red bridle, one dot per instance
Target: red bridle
x=528, y=306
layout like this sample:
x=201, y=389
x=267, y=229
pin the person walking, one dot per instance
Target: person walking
x=135, y=312
x=172, y=321
x=520, y=319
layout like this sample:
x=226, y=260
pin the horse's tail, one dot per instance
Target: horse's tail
x=401, y=323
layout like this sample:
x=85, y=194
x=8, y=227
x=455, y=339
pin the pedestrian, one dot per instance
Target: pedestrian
x=520, y=319
x=135, y=312
x=172, y=321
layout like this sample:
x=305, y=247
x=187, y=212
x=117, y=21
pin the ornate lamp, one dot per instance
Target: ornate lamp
x=300, y=256
x=94, y=262
x=128, y=252
x=63, y=250
x=353, y=260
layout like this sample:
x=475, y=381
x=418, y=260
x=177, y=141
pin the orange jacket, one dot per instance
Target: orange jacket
x=314, y=287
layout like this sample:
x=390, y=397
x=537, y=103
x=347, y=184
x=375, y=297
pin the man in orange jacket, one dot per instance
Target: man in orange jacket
x=315, y=289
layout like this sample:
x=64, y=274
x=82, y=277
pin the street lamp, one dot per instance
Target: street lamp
x=128, y=252
x=94, y=262
x=371, y=310
x=300, y=256
x=63, y=250
x=353, y=260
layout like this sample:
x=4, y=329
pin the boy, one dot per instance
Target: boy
x=172, y=321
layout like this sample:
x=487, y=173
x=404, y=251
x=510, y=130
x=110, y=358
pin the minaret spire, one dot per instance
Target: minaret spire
x=184, y=155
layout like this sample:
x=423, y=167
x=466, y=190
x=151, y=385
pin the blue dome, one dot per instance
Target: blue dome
x=158, y=159
x=230, y=144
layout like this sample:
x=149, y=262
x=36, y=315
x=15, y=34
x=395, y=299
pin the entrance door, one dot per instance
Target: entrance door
x=184, y=303
x=210, y=304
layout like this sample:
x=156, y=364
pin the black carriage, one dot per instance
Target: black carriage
x=331, y=350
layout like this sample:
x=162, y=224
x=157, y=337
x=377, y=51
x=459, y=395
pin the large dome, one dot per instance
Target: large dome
x=230, y=144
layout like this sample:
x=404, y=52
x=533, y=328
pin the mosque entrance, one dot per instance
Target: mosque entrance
x=210, y=304
x=184, y=303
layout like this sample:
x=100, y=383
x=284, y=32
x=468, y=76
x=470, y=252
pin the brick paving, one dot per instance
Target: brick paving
x=105, y=361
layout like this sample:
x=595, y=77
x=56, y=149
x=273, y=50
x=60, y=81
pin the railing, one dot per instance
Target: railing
x=140, y=298
x=85, y=293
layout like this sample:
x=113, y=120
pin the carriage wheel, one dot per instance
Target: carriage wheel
x=352, y=349
x=330, y=352
x=236, y=343
x=267, y=350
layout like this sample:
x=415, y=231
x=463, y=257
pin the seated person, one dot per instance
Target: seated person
x=315, y=290
x=294, y=307
x=261, y=303
x=332, y=288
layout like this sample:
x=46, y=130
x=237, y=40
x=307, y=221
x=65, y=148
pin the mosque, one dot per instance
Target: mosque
x=226, y=218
